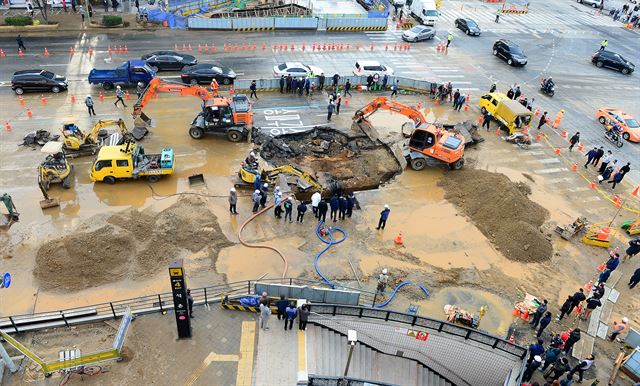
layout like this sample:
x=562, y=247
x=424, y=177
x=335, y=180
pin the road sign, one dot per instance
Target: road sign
x=6, y=280
x=180, y=302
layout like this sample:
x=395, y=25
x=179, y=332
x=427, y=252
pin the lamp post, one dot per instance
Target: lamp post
x=352, y=337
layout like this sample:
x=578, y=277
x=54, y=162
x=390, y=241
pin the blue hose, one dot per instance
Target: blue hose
x=329, y=243
x=426, y=292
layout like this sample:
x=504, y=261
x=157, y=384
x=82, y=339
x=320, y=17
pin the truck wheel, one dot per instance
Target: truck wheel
x=153, y=179
x=226, y=81
x=107, y=85
x=196, y=132
x=234, y=135
x=66, y=182
x=418, y=163
x=457, y=165
x=109, y=180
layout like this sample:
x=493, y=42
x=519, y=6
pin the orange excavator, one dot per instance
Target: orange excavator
x=222, y=115
x=427, y=144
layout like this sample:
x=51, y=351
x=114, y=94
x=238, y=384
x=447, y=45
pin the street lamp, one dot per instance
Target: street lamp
x=352, y=338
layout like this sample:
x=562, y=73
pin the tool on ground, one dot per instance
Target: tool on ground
x=325, y=234
x=568, y=231
x=427, y=143
x=600, y=235
x=54, y=169
x=38, y=138
x=231, y=116
x=457, y=315
x=12, y=216
x=77, y=143
x=631, y=226
x=196, y=180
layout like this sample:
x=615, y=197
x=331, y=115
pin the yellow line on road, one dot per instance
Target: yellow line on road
x=247, y=347
x=302, y=352
x=212, y=357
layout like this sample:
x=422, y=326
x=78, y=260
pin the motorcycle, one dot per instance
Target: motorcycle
x=614, y=135
x=550, y=91
x=522, y=140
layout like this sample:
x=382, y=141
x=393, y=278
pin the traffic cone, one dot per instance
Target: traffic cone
x=21, y=99
x=466, y=107
x=372, y=46
x=109, y=50
x=313, y=46
x=126, y=49
x=2, y=54
x=557, y=150
x=468, y=97
x=90, y=52
x=538, y=137
x=213, y=48
x=175, y=47
x=243, y=47
x=537, y=112
x=347, y=47
x=303, y=47
x=224, y=47
x=346, y=103
x=635, y=191
x=255, y=46
x=184, y=47
x=29, y=113
x=199, y=48
x=101, y=97
x=399, y=240
x=275, y=46
x=120, y=50
x=20, y=53
x=574, y=167
x=231, y=90
x=580, y=147
x=127, y=96
x=386, y=47
x=206, y=47
x=563, y=133
x=264, y=46
x=236, y=48
x=395, y=46
x=7, y=126
x=592, y=184
x=293, y=47
x=498, y=132
x=43, y=100
x=46, y=52
x=407, y=46
x=479, y=120
x=419, y=105
x=190, y=48
x=73, y=99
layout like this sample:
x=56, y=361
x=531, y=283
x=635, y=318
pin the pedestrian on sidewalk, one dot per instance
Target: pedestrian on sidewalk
x=315, y=200
x=265, y=313
x=233, y=200
x=291, y=313
x=634, y=249
x=449, y=39
x=384, y=215
x=581, y=367
x=550, y=357
x=535, y=349
x=302, y=208
x=498, y=12
x=544, y=322
x=256, y=200
x=119, y=97
x=558, y=119
x=342, y=207
x=264, y=194
x=543, y=120
x=322, y=210
x=253, y=87
x=321, y=80
x=334, y=203
x=89, y=103
x=605, y=161
x=592, y=304
x=20, y=43
x=542, y=309
x=599, y=154
x=347, y=88
x=394, y=88
x=190, y=303
x=335, y=79
x=531, y=368
x=604, y=44
x=288, y=209
x=619, y=328
x=591, y=154
x=281, y=307
x=574, y=337
x=304, y=317
x=566, y=307
x=616, y=179
x=634, y=279
x=351, y=201
x=330, y=108
x=573, y=140
x=486, y=120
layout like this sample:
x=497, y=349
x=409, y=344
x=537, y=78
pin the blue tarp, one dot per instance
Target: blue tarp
x=249, y=301
x=173, y=21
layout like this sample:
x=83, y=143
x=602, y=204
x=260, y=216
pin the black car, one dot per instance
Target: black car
x=169, y=60
x=612, y=60
x=37, y=80
x=468, y=26
x=510, y=52
x=203, y=73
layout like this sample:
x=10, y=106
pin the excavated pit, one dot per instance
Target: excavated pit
x=339, y=161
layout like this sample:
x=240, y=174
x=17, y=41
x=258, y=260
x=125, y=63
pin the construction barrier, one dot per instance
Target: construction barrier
x=202, y=23
x=311, y=294
x=295, y=22
x=362, y=24
x=288, y=23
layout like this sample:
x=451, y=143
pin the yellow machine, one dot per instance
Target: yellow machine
x=55, y=169
x=510, y=114
x=77, y=143
x=632, y=226
x=12, y=216
x=600, y=235
x=130, y=161
x=305, y=180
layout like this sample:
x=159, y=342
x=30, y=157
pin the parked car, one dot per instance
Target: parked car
x=296, y=69
x=203, y=73
x=37, y=80
x=510, y=52
x=468, y=26
x=612, y=60
x=169, y=60
x=630, y=126
x=593, y=3
x=371, y=67
x=418, y=33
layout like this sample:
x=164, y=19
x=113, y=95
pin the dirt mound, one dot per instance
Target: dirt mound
x=502, y=211
x=133, y=244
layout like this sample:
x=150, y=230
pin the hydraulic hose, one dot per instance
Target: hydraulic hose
x=264, y=246
x=331, y=241
x=426, y=292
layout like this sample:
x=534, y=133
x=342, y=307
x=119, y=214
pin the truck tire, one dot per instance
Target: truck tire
x=418, y=163
x=234, y=135
x=226, y=81
x=55, y=89
x=107, y=85
x=457, y=165
x=109, y=180
x=196, y=132
x=153, y=179
x=602, y=120
x=66, y=182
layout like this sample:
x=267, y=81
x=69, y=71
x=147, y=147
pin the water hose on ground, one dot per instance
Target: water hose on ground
x=426, y=292
x=330, y=242
x=263, y=246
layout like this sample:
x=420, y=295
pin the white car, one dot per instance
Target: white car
x=371, y=67
x=296, y=69
x=593, y=3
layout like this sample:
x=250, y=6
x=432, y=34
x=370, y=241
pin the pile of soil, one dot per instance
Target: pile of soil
x=133, y=244
x=338, y=160
x=503, y=212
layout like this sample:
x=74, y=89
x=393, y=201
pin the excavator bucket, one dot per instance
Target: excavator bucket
x=141, y=126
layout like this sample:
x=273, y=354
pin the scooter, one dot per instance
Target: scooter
x=522, y=140
x=614, y=135
x=547, y=91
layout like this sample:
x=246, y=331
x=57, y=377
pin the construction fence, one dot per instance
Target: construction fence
x=284, y=23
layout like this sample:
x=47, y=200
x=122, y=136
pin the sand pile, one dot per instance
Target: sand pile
x=502, y=211
x=132, y=244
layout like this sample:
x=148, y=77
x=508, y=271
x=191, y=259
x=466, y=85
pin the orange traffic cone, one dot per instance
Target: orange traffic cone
x=213, y=48
x=231, y=90
x=466, y=107
x=574, y=167
x=399, y=240
x=199, y=48
x=46, y=52
x=557, y=150
x=190, y=49
x=127, y=96
x=184, y=47
x=21, y=100
x=7, y=126
x=43, y=99
x=126, y=49
x=498, y=133
x=20, y=53
x=592, y=184
x=346, y=103
x=90, y=52
x=538, y=137
x=635, y=191
x=563, y=133
x=29, y=113
x=437, y=101
x=101, y=97
x=537, y=112
x=580, y=147
x=2, y=54
x=73, y=99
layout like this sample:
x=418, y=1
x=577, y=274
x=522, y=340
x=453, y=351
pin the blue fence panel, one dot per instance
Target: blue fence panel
x=296, y=22
x=253, y=22
x=356, y=23
x=206, y=23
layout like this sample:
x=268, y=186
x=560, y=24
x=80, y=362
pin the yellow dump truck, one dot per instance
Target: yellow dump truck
x=130, y=161
x=510, y=114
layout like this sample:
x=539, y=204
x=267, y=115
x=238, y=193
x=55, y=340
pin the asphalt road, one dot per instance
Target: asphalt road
x=558, y=38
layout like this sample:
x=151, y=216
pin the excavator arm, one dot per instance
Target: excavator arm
x=101, y=124
x=383, y=103
x=157, y=85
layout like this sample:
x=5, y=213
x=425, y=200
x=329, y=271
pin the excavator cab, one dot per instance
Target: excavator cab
x=421, y=139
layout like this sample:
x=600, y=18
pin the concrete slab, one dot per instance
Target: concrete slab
x=583, y=347
x=614, y=295
x=594, y=321
x=603, y=328
x=614, y=278
x=607, y=308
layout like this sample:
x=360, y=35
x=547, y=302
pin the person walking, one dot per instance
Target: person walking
x=119, y=96
x=384, y=215
x=265, y=313
x=531, y=368
x=543, y=120
x=542, y=309
x=535, y=349
x=264, y=194
x=277, y=200
x=304, y=317
x=634, y=279
x=498, y=12
x=486, y=120
x=558, y=369
x=577, y=298
x=591, y=154
x=394, y=88
x=574, y=337
x=619, y=328
x=558, y=119
x=605, y=161
x=281, y=307
x=335, y=80
x=634, y=248
x=288, y=208
x=322, y=210
x=347, y=88
x=315, y=200
x=321, y=80
x=283, y=82
x=599, y=154
x=604, y=44
x=253, y=87
x=573, y=140
x=449, y=39
x=342, y=207
x=338, y=103
x=214, y=86
x=550, y=357
x=233, y=200
x=351, y=201
x=301, y=209
x=190, y=303
x=330, y=108
x=20, y=43
x=592, y=304
x=255, y=197
x=616, y=179
x=89, y=103
x=566, y=307
x=581, y=367
x=334, y=203
x=291, y=313
x=544, y=322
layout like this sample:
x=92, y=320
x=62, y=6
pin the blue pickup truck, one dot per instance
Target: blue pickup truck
x=129, y=73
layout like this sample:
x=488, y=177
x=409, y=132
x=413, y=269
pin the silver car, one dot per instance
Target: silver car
x=417, y=33
x=593, y=3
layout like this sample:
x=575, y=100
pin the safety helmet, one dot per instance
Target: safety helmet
x=232, y=189
x=625, y=320
x=386, y=206
x=140, y=84
x=384, y=271
x=562, y=111
x=118, y=87
x=265, y=185
x=257, y=191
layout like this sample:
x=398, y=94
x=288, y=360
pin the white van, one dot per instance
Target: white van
x=425, y=11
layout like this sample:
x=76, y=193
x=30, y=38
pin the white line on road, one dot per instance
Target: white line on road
x=550, y=170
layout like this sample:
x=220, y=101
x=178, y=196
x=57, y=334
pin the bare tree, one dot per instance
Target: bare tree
x=42, y=5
